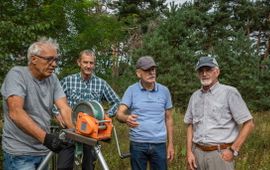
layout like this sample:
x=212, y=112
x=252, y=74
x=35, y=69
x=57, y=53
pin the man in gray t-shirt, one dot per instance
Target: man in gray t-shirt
x=214, y=117
x=29, y=94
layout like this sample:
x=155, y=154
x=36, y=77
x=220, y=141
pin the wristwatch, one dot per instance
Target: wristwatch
x=235, y=153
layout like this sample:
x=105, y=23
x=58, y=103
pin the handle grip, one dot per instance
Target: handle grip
x=125, y=155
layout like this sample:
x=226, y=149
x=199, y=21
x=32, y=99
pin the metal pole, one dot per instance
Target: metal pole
x=101, y=158
x=46, y=160
x=122, y=155
x=117, y=142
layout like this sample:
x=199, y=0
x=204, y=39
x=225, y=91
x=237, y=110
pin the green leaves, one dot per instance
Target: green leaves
x=175, y=37
x=201, y=29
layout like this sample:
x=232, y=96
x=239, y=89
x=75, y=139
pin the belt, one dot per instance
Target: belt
x=208, y=148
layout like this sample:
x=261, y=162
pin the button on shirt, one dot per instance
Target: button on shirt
x=150, y=106
x=216, y=114
x=77, y=89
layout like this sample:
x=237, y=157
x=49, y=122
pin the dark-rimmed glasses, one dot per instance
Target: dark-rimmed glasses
x=49, y=59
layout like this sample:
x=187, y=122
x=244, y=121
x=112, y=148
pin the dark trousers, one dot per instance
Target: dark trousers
x=66, y=158
x=154, y=153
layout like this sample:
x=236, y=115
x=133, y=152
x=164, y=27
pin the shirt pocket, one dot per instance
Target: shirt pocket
x=217, y=112
x=198, y=113
x=197, y=118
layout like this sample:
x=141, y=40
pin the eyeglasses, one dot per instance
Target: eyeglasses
x=49, y=59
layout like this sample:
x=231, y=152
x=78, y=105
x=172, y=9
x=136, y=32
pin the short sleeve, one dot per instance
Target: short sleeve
x=13, y=85
x=58, y=90
x=127, y=97
x=238, y=107
x=169, y=104
x=188, y=115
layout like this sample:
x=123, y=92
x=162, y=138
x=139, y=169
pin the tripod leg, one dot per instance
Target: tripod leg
x=101, y=158
x=46, y=160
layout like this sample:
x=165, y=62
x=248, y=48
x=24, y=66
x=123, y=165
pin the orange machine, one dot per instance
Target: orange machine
x=89, y=126
x=90, y=120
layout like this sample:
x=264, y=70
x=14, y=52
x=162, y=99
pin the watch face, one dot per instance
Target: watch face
x=235, y=153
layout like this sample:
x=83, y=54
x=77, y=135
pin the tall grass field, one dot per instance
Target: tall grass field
x=254, y=155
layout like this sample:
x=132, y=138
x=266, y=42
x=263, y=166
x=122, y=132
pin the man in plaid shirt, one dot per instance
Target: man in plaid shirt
x=85, y=86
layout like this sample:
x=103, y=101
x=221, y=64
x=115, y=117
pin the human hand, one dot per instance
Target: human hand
x=170, y=152
x=53, y=143
x=191, y=161
x=131, y=120
x=227, y=155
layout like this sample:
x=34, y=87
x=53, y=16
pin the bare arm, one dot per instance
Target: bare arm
x=65, y=111
x=246, y=129
x=243, y=134
x=18, y=115
x=169, y=126
x=190, y=156
x=121, y=115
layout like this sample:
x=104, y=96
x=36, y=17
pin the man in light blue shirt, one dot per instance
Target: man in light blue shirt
x=150, y=119
x=218, y=121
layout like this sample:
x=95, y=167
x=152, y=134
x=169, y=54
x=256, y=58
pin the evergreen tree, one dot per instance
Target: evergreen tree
x=203, y=29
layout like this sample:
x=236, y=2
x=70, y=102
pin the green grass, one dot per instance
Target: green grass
x=255, y=154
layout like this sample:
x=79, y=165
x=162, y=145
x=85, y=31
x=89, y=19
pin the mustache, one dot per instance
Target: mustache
x=150, y=77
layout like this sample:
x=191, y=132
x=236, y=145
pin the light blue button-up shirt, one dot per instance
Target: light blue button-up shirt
x=216, y=114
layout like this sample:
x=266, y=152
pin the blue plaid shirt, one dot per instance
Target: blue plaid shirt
x=77, y=89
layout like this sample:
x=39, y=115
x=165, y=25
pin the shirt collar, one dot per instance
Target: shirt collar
x=83, y=80
x=142, y=88
x=212, y=89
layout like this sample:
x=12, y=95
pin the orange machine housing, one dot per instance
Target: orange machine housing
x=89, y=126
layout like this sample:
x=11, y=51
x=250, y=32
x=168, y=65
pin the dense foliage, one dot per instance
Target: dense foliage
x=219, y=29
x=236, y=32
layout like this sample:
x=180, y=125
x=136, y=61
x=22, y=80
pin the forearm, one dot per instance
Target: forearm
x=65, y=111
x=113, y=99
x=189, y=138
x=169, y=126
x=244, y=133
x=190, y=156
x=113, y=109
x=121, y=115
x=66, y=116
x=27, y=125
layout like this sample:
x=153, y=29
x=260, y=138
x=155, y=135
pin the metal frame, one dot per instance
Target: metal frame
x=69, y=134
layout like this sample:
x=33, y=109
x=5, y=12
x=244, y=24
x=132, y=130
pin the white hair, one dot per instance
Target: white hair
x=35, y=48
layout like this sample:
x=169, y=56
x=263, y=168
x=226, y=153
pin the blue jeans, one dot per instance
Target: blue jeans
x=155, y=153
x=21, y=162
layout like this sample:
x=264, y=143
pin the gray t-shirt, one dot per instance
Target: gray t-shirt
x=216, y=114
x=39, y=97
